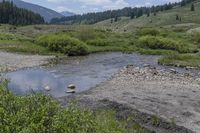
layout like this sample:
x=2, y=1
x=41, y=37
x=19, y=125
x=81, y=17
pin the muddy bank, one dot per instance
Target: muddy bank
x=173, y=98
x=12, y=61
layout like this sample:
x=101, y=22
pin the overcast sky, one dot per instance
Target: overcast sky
x=84, y=6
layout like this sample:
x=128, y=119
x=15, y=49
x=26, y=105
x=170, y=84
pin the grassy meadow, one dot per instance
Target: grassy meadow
x=82, y=40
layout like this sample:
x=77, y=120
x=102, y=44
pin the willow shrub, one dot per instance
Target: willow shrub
x=158, y=42
x=37, y=113
x=64, y=44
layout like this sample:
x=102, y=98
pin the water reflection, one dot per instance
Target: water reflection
x=84, y=72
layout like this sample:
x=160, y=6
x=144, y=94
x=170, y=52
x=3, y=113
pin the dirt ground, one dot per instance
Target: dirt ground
x=12, y=61
x=175, y=98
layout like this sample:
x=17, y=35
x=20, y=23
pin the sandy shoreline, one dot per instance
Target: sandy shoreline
x=170, y=96
x=13, y=61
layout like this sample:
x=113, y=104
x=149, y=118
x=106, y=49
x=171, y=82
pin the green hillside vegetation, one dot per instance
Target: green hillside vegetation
x=185, y=15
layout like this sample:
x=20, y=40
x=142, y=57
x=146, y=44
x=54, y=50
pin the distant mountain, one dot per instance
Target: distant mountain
x=46, y=13
x=67, y=14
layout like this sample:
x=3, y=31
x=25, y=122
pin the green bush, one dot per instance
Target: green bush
x=38, y=113
x=6, y=36
x=64, y=44
x=165, y=43
x=148, y=31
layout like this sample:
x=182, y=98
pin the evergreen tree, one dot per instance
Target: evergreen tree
x=116, y=18
x=10, y=14
x=132, y=15
x=183, y=3
x=111, y=21
x=177, y=17
x=192, y=7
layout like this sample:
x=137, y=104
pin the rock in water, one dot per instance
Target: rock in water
x=71, y=86
x=70, y=91
x=47, y=88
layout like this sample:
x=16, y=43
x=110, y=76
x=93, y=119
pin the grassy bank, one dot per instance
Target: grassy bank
x=40, y=113
x=83, y=40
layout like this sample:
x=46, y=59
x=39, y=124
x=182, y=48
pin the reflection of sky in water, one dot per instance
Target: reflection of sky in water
x=84, y=72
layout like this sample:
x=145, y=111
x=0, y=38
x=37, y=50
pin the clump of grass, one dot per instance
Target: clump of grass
x=40, y=113
x=64, y=44
x=181, y=60
x=159, y=42
x=27, y=47
x=7, y=36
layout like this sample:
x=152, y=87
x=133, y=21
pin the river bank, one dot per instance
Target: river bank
x=13, y=61
x=169, y=96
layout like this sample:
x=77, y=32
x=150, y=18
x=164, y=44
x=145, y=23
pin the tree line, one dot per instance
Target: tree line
x=91, y=18
x=10, y=14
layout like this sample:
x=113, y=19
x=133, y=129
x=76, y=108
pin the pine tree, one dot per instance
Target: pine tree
x=192, y=7
x=116, y=18
x=111, y=21
x=10, y=14
x=132, y=15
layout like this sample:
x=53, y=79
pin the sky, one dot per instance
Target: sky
x=85, y=6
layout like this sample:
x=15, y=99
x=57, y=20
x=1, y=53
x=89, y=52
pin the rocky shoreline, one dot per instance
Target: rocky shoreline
x=149, y=92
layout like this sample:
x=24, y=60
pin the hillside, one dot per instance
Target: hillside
x=162, y=18
x=46, y=13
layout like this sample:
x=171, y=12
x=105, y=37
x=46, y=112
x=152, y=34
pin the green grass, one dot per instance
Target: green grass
x=40, y=113
x=181, y=60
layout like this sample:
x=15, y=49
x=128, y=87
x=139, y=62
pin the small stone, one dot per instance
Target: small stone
x=47, y=88
x=186, y=74
x=146, y=65
x=173, y=71
x=71, y=86
x=71, y=91
x=188, y=68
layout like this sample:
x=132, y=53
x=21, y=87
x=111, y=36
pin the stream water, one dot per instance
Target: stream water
x=85, y=72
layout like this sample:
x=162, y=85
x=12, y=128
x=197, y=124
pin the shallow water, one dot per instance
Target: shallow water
x=85, y=72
